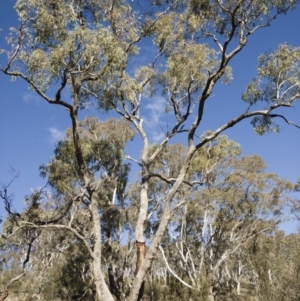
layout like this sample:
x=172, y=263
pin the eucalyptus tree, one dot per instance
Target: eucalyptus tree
x=54, y=261
x=88, y=51
x=102, y=151
x=278, y=272
x=16, y=251
x=236, y=202
x=64, y=211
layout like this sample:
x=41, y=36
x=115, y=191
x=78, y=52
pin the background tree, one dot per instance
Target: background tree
x=237, y=202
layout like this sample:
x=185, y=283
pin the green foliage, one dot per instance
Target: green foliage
x=277, y=83
x=213, y=155
x=102, y=150
x=263, y=124
x=278, y=77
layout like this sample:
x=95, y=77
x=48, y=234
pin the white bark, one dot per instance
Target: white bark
x=211, y=296
x=165, y=218
x=102, y=291
x=270, y=276
x=171, y=271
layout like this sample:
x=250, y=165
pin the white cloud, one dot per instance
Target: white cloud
x=30, y=97
x=156, y=109
x=153, y=121
x=158, y=136
x=56, y=134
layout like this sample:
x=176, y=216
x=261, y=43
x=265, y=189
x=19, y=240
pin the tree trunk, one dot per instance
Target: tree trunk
x=140, y=226
x=139, y=279
x=4, y=296
x=211, y=296
x=141, y=254
x=238, y=287
x=209, y=277
x=165, y=218
x=102, y=291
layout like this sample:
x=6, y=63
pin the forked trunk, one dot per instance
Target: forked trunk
x=144, y=262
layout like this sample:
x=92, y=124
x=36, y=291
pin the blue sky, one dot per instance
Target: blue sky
x=29, y=127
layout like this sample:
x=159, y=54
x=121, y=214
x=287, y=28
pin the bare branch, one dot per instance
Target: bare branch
x=8, y=66
x=37, y=90
x=172, y=180
x=171, y=271
x=55, y=226
x=243, y=116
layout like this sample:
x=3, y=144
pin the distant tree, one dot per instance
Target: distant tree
x=89, y=52
x=236, y=202
x=15, y=249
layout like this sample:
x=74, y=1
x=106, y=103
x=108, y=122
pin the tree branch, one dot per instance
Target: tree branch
x=171, y=271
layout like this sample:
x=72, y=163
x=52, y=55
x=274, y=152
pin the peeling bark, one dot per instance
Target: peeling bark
x=141, y=254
